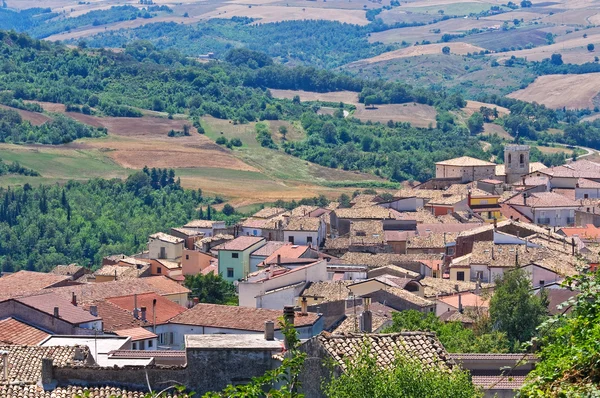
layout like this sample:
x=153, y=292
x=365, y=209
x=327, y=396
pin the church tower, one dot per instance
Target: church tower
x=516, y=162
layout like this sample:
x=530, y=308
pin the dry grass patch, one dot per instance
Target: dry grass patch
x=428, y=49
x=491, y=129
x=558, y=91
x=348, y=97
x=34, y=118
x=475, y=106
x=418, y=115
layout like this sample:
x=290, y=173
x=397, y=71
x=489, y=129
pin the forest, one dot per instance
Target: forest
x=82, y=222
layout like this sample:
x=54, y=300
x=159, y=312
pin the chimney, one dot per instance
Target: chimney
x=523, y=180
x=269, y=331
x=135, y=307
x=469, y=198
x=47, y=371
x=460, y=307
x=493, y=258
x=524, y=198
x=94, y=310
x=573, y=246
x=304, y=305
x=496, y=223
x=143, y=313
x=154, y=316
x=196, y=300
x=288, y=315
x=366, y=319
x=279, y=259
x=4, y=356
x=56, y=314
x=74, y=299
x=542, y=285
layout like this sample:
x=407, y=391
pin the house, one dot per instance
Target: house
x=164, y=246
x=209, y=243
x=381, y=319
x=167, y=268
x=52, y=313
x=23, y=282
x=486, y=207
x=466, y=168
x=260, y=255
x=546, y=208
x=413, y=265
x=150, y=308
x=308, y=231
x=568, y=175
x=207, y=227
x=461, y=301
x=234, y=256
x=190, y=236
x=140, y=338
x=270, y=228
x=73, y=270
x=275, y=286
x=16, y=332
x=431, y=243
x=121, y=271
x=588, y=233
x=194, y=262
x=225, y=319
x=342, y=218
x=587, y=189
x=398, y=298
x=269, y=212
x=338, y=348
x=396, y=240
x=491, y=185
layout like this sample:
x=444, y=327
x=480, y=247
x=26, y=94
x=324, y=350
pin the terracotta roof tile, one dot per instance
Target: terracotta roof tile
x=579, y=169
x=202, y=224
x=136, y=334
x=15, y=332
x=268, y=212
x=24, y=282
x=165, y=308
x=366, y=213
x=467, y=300
x=382, y=316
x=303, y=211
x=512, y=383
x=122, y=271
x=465, y=161
x=238, y=318
x=303, y=224
x=442, y=287
x=46, y=302
x=422, y=346
x=241, y=243
x=113, y=317
x=287, y=252
x=166, y=237
x=70, y=269
x=34, y=391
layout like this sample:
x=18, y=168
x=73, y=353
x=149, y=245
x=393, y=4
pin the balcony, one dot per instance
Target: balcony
x=543, y=221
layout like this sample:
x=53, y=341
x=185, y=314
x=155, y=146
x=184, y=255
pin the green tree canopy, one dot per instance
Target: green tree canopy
x=211, y=288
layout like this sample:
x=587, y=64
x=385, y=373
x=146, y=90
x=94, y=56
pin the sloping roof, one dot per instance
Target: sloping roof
x=585, y=183
x=398, y=236
x=268, y=249
x=136, y=334
x=202, y=224
x=579, y=169
x=382, y=315
x=46, y=302
x=589, y=232
x=269, y=212
x=26, y=361
x=238, y=318
x=35, y=391
x=367, y=212
x=23, y=282
x=465, y=161
x=303, y=224
x=188, y=231
x=328, y=291
x=456, y=316
x=122, y=271
x=99, y=291
x=70, y=269
x=254, y=223
x=287, y=251
x=441, y=287
x=383, y=259
x=165, y=308
x=113, y=317
x=512, y=383
x=422, y=346
x=241, y=243
x=170, y=265
x=302, y=211
x=166, y=238
x=15, y=332
x=431, y=240
x=467, y=300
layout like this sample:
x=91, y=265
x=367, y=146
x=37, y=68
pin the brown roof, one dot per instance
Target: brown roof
x=383, y=259
x=382, y=316
x=328, y=291
x=511, y=382
x=114, y=318
x=70, y=269
x=456, y=316
x=579, y=169
x=15, y=332
x=25, y=362
x=287, y=252
x=398, y=236
x=201, y=224
x=431, y=240
x=238, y=318
x=46, y=302
x=241, y=243
x=268, y=212
x=122, y=271
x=136, y=334
x=34, y=391
x=269, y=248
x=585, y=183
x=24, y=282
x=303, y=224
x=366, y=213
x=533, y=167
x=302, y=211
x=254, y=222
x=165, y=308
x=510, y=212
x=424, y=229
x=99, y=291
x=441, y=287
x=465, y=161
x=422, y=346
x=166, y=237
x=188, y=231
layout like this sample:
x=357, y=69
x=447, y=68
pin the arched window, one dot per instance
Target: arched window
x=509, y=158
x=522, y=159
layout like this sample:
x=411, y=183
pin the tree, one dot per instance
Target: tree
x=370, y=100
x=283, y=131
x=568, y=364
x=211, y=288
x=475, y=123
x=404, y=378
x=526, y=4
x=446, y=50
x=228, y=209
x=590, y=47
x=556, y=59
x=514, y=309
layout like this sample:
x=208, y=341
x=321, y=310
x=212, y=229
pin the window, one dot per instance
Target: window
x=134, y=346
x=163, y=252
x=460, y=276
x=450, y=250
x=521, y=159
x=230, y=272
x=309, y=239
x=150, y=343
x=142, y=345
x=235, y=255
x=159, y=270
x=509, y=158
x=166, y=338
x=291, y=239
x=254, y=232
x=479, y=275
x=585, y=196
x=187, y=256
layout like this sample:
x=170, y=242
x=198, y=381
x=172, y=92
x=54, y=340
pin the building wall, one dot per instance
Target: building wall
x=280, y=298
x=584, y=217
x=407, y=204
x=563, y=182
x=193, y=261
x=255, y=260
x=240, y=265
x=366, y=288
x=104, y=278
x=554, y=217
x=251, y=231
x=537, y=274
x=467, y=173
x=592, y=193
x=398, y=303
x=301, y=237
x=173, y=251
x=179, y=298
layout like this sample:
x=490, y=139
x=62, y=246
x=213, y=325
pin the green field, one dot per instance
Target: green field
x=457, y=9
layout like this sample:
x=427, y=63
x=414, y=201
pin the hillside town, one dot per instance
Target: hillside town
x=337, y=274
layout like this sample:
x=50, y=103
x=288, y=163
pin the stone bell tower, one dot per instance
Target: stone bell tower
x=516, y=162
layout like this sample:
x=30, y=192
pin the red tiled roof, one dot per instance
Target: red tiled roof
x=587, y=232
x=288, y=251
x=165, y=308
x=398, y=236
x=585, y=183
x=239, y=318
x=241, y=243
x=510, y=212
x=136, y=334
x=23, y=282
x=115, y=318
x=165, y=286
x=15, y=332
x=46, y=302
x=542, y=199
x=499, y=382
x=579, y=169
x=147, y=354
x=211, y=269
x=467, y=300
